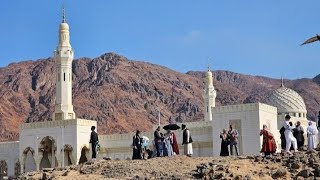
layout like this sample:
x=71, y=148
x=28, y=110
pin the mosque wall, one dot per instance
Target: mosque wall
x=118, y=146
x=9, y=152
x=248, y=120
x=74, y=134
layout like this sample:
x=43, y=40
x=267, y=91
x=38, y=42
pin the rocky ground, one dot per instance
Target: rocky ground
x=300, y=165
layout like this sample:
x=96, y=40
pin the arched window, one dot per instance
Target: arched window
x=64, y=76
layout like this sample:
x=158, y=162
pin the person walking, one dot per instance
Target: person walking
x=290, y=139
x=136, y=145
x=94, y=140
x=157, y=140
x=187, y=141
x=233, y=134
x=312, y=134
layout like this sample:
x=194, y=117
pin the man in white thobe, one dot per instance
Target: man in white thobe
x=312, y=134
x=290, y=139
x=187, y=141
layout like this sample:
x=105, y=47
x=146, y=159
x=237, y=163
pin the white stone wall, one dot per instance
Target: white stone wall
x=248, y=120
x=75, y=132
x=119, y=145
x=9, y=152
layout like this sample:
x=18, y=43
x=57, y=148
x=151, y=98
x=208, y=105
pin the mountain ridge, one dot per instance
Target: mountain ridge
x=124, y=95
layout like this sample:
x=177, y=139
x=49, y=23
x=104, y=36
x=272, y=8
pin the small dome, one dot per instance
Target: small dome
x=64, y=26
x=287, y=101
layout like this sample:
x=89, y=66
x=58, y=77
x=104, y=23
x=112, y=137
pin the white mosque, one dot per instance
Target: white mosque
x=65, y=140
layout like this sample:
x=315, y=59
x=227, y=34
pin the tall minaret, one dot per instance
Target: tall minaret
x=209, y=96
x=63, y=57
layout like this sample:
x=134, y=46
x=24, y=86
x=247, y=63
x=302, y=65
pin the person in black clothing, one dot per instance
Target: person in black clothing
x=94, y=141
x=225, y=141
x=136, y=143
x=298, y=134
x=283, y=138
x=157, y=140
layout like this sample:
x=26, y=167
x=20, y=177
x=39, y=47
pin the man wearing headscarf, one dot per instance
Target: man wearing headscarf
x=290, y=139
x=187, y=141
x=311, y=133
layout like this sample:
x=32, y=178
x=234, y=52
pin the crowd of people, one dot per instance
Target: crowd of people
x=163, y=144
x=292, y=138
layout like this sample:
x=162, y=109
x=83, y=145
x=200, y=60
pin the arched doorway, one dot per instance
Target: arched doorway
x=17, y=169
x=48, y=149
x=29, y=163
x=68, y=159
x=83, y=156
x=3, y=169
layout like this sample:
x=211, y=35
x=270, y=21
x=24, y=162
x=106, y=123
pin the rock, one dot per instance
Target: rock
x=312, y=151
x=278, y=159
x=248, y=157
x=299, y=178
x=107, y=158
x=65, y=173
x=247, y=177
x=316, y=171
x=219, y=176
x=46, y=176
x=279, y=173
x=305, y=173
x=296, y=166
x=47, y=169
x=239, y=177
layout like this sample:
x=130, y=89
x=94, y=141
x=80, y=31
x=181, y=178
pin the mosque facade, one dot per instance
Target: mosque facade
x=65, y=140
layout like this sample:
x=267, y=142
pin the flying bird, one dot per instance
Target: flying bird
x=311, y=40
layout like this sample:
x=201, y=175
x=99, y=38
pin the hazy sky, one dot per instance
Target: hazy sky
x=251, y=37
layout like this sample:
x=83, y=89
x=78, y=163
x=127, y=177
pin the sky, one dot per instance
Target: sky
x=249, y=36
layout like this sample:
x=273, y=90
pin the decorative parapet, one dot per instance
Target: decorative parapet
x=195, y=127
x=9, y=145
x=195, y=124
x=57, y=123
x=244, y=107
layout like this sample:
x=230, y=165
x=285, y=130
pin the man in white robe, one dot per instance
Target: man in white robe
x=187, y=141
x=290, y=139
x=312, y=134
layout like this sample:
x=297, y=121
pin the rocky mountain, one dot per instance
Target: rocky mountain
x=123, y=95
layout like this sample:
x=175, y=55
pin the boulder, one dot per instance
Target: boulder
x=279, y=173
x=305, y=173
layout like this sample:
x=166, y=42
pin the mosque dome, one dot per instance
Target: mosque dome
x=287, y=101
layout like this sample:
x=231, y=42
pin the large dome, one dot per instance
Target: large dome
x=287, y=101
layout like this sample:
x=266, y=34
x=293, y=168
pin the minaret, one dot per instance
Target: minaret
x=63, y=57
x=209, y=96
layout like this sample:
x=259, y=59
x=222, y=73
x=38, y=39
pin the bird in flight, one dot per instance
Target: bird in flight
x=311, y=40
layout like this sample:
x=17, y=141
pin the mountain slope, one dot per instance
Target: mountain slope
x=125, y=95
